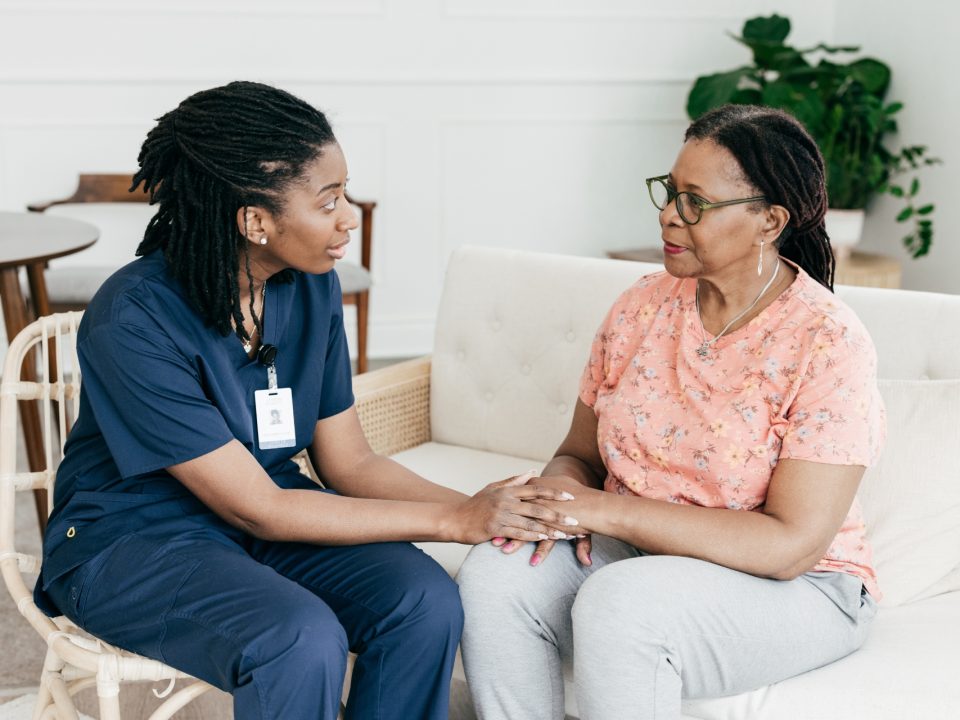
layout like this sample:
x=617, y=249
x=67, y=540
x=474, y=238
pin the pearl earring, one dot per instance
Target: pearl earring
x=760, y=263
x=263, y=240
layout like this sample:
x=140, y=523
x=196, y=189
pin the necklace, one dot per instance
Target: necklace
x=248, y=344
x=704, y=348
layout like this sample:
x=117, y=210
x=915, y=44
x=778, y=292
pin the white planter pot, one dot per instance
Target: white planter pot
x=845, y=228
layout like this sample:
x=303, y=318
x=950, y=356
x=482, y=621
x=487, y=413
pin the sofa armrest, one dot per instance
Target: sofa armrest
x=394, y=405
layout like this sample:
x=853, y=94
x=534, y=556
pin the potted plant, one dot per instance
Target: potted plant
x=843, y=107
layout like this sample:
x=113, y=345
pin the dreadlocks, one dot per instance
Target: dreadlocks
x=220, y=150
x=783, y=162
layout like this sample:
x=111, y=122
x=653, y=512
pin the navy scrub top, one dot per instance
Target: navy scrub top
x=160, y=388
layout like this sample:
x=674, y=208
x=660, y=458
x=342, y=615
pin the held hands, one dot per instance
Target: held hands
x=506, y=509
x=582, y=538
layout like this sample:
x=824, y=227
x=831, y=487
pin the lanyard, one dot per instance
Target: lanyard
x=267, y=355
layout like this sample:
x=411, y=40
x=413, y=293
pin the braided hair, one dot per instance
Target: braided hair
x=779, y=158
x=242, y=144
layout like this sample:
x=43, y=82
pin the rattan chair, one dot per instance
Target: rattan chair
x=74, y=660
x=70, y=288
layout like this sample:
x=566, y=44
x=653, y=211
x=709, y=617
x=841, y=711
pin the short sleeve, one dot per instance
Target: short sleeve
x=147, y=399
x=337, y=383
x=594, y=372
x=837, y=415
x=629, y=316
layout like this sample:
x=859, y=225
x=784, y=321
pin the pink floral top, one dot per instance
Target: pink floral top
x=798, y=381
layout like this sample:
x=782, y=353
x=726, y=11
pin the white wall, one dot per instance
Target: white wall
x=519, y=123
x=919, y=42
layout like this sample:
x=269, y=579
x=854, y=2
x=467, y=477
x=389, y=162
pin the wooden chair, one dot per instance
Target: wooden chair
x=74, y=660
x=72, y=288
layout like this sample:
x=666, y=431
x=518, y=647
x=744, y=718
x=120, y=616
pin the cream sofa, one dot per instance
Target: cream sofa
x=497, y=395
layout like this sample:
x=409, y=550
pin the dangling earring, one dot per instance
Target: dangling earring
x=263, y=240
x=759, y=264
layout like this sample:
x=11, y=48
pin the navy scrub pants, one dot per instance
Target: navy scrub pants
x=271, y=623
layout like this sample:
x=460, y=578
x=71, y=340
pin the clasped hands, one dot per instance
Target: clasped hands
x=525, y=508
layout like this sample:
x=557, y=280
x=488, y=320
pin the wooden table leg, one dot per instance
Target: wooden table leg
x=15, y=318
x=363, y=306
x=38, y=289
x=41, y=308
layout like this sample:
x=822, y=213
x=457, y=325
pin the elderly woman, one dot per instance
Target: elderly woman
x=725, y=418
x=182, y=529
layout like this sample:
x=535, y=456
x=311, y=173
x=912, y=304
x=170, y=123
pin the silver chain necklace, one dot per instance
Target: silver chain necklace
x=248, y=344
x=704, y=348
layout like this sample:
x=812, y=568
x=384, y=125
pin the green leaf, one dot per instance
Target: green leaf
x=711, y=91
x=807, y=107
x=893, y=108
x=905, y=214
x=896, y=191
x=746, y=96
x=785, y=60
x=925, y=210
x=914, y=187
x=872, y=74
x=772, y=29
x=833, y=49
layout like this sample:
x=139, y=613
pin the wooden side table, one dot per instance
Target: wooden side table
x=860, y=268
x=868, y=270
x=28, y=240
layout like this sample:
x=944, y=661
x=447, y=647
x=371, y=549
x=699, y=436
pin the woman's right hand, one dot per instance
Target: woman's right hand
x=500, y=510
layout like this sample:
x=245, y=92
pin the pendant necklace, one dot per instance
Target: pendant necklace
x=704, y=348
x=248, y=343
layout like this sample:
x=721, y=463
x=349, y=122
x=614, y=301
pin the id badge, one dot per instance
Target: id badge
x=275, y=423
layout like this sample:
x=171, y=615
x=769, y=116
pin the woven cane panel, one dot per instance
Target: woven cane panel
x=396, y=417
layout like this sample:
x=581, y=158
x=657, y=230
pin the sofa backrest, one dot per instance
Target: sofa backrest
x=917, y=334
x=513, y=333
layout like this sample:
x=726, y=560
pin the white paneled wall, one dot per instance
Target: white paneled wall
x=516, y=123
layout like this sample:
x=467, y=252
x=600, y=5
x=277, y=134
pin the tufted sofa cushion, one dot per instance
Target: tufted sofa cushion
x=911, y=498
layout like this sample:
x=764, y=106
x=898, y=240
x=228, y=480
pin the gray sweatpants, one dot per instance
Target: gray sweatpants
x=641, y=630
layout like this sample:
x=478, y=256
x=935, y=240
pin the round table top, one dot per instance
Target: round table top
x=27, y=238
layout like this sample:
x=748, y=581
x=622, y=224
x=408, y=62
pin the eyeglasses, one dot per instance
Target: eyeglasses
x=689, y=206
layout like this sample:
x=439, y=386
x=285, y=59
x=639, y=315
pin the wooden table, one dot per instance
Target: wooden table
x=860, y=268
x=29, y=240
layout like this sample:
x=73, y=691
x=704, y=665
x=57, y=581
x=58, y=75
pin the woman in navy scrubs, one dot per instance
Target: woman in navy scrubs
x=182, y=529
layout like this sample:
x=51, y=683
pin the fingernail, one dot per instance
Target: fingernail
x=566, y=496
x=542, y=536
x=535, y=560
x=498, y=541
x=582, y=535
x=570, y=521
x=508, y=546
x=559, y=535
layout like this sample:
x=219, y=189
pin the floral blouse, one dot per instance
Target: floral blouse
x=798, y=381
